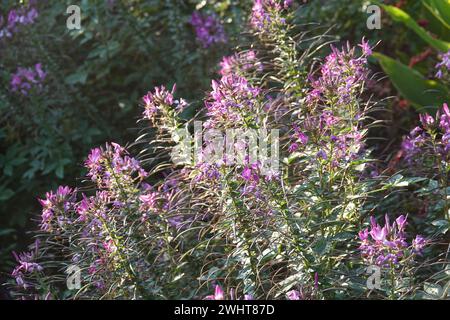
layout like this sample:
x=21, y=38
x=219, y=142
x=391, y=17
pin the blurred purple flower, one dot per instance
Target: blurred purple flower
x=366, y=48
x=444, y=116
x=426, y=120
x=412, y=144
x=208, y=29
x=419, y=244
x=21, y=16
x=443, y=67
x=24, y=79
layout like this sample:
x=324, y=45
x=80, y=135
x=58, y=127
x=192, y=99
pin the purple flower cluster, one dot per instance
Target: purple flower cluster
x=112, y=166
x=93, y=221
x=231, y=101
x=160, y=102
x=16, y=17
x=425, y=139
x=149, y=201
x=205, y=170
x=254, y=188
x=333, y=98
x=240, y=62
x=386, y=246
x=412, y=144
x=341, y=76
x=160, y=201
x=55, y=205
x=336, y=142
x=208, y=29
x=27, y=78
x=443, y=67
x=267, y=12
x=26, y=265
x=298, y=138
x=347, y=146
x=219, y=294
x=418, y=244
x=88, y=204
x=444, y=119
x=154, y=100
x=251, y=176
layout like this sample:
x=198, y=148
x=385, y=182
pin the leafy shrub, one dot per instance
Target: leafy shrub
x=420, y=91
x=166, y=226
x=66, y=90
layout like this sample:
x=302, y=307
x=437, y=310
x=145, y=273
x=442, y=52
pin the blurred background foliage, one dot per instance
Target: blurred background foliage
x=95, y=79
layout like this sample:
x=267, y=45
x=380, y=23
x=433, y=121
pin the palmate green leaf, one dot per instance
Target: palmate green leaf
x=424, y=94
x=401, y=16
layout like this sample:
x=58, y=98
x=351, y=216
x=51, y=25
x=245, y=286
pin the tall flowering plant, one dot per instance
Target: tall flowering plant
x=387, y=248
x=425, y=156
x=51, y=111
x=236, y=225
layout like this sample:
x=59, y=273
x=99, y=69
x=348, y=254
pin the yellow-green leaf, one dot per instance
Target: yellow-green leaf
x=422, y=93
x=401, y=16
x=437, y=16
x=443, y=6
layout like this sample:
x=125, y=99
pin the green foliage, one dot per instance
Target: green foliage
x=424, y=94
x=152, y=229
x=401, y=16
x=95, y=77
